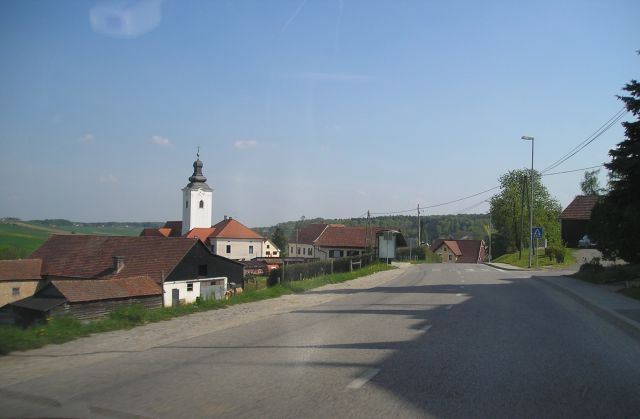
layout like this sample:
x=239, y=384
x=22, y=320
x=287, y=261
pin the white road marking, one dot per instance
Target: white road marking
x=363, y=379
x=458, y=295
x=470, y=270
x=426, y=328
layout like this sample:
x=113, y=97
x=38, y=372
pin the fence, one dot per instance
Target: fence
x=300, y=271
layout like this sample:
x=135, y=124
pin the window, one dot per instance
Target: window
x=268, y=253
x=268, y=247
x=15, y=291
x=291, y=250
x=186, y=204
x=228, y=248
x=201, y=203
x=202, y=270
x=190, y=286
x=353, y=252
x=450, y=257
x=335, y=253
x=304, y=250
x=310, y=251
x=298, y=250
x=250, y=250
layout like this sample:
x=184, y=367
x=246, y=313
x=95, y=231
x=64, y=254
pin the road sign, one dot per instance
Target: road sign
x=537, y=232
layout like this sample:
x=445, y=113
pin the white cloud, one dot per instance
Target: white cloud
x=245, y=144
x=107, y=178
x=161, y=141
x=126, y=19
x=87, y=138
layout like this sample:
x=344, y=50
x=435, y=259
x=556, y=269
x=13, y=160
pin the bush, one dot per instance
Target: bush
x=593, y=265
x=556, y=252
x=300, y=271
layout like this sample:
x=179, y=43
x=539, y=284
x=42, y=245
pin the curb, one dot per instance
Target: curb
x=506, y=267
x=631, y=327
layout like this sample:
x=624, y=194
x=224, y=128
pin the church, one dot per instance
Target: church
x=228, y=238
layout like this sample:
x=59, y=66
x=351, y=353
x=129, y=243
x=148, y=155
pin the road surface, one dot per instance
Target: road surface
x=435, y=340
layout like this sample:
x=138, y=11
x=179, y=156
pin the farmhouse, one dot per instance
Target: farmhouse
x=18, y=279
x=459, y=251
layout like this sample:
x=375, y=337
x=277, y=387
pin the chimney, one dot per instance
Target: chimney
x=225, y=217
x=118, y=263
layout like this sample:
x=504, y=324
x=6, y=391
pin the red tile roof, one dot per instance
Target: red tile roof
x=20, y=270
x=91, y=257
x=232, y=229
x=200, y=233
x=341, y=236
x=580, y=208
x=105, y=289
x=156, y=232
x=308, y=234
x=175, y=228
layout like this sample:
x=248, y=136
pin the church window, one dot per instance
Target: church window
x=201, y=203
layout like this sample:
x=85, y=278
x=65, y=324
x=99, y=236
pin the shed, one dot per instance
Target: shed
x=575, y=219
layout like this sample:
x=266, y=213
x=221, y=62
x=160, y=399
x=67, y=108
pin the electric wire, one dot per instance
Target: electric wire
x=601, y=130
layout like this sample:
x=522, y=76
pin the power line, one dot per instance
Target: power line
x=574, y=170
x=597, y=133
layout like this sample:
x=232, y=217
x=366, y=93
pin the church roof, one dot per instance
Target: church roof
x=232, y=229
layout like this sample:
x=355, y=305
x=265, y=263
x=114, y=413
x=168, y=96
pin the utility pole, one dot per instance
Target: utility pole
x=490, y=231
x=419, y=242
x=366, y=232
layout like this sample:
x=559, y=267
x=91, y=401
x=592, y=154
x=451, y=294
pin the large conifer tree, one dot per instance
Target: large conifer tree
x=615, y=219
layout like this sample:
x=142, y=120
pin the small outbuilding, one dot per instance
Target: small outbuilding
x=575, y=219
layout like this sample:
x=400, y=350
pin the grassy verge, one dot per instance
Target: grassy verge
x=514, y=259
x=598, y=274
x=63, y=329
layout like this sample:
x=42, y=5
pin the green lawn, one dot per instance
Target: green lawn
x=514, y=259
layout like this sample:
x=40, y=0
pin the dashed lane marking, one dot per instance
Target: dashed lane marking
x=363, y=379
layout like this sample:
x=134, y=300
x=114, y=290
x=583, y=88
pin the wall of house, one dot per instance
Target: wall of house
x=270, y=249
x=446, y=254
x=239, y=248
x=96, y=309
x=24, y=289
x=301, y=250
x=216, y=266
x=204, y=287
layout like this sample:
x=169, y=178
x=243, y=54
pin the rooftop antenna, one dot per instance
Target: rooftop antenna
x=198, y=153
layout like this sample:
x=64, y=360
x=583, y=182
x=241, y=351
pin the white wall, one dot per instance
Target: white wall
x=300, y=250
x=239, y=248
x=273, y=250
x=192, y=215
x=199, y=285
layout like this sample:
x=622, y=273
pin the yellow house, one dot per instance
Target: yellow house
x=18, y=279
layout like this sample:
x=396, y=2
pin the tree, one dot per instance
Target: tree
x=615, y=221
x=279, y=240
x=510, y=212
x=590, y=185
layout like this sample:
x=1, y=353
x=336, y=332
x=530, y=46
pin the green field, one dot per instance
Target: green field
x=18, y=239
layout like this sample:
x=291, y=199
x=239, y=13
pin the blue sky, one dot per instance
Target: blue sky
x=315, y=108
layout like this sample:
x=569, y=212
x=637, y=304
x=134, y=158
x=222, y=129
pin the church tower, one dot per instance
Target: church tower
x=197, y=200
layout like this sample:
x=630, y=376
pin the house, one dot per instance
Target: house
x=18, y=279
x=270, y=250
x=575, y=218
x=184, y=268
x=328, y=241
x=459, y=251
x=86, y=299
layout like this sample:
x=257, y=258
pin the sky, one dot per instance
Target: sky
x=313, y=108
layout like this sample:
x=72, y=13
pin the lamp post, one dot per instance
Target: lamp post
x=526, y=138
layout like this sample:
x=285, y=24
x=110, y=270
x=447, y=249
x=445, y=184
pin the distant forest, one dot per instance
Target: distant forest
x=455, y=226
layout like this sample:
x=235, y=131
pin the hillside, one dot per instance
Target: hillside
x=19, y=238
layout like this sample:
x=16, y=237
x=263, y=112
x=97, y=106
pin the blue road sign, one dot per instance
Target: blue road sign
x=537, y=232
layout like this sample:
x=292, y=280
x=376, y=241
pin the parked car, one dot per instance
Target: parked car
x=586, y=242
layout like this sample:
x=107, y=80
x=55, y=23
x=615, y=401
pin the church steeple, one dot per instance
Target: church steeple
x=198, y=200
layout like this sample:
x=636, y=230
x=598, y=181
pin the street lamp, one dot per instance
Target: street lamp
x=526, y=138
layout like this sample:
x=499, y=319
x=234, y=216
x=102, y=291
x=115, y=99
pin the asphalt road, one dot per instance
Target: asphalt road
x=436, y=341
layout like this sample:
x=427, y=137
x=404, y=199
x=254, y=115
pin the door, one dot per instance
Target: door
x=175, y=296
